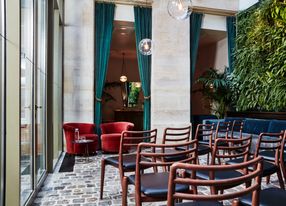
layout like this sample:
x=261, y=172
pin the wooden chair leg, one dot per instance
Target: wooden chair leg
x=102, y=178
x=283, y=169
x=267, y=179
x=208, y=158
x=235, y=202
x=124, y=191
x=281, y=181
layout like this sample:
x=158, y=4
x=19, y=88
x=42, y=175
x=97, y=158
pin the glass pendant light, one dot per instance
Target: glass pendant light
x=179, y=9
x=145, y=46
x=123, y=78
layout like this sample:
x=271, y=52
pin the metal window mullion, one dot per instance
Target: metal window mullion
x=34, y=96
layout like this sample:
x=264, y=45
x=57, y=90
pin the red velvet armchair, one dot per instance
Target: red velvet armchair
x=111, y=134
x=85, y=129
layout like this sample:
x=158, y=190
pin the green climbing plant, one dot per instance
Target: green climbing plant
x=259, y=78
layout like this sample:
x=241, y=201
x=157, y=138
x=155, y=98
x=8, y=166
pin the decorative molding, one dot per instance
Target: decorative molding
x=145, y=3
x=214, y=11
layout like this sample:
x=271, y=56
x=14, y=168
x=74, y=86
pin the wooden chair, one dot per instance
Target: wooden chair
x=125, y=161
x=236, y=129
x=268, y=196
x=241, y=148
x=271, y=156
x=268, y=142
x=222, y=130
x=175, y=135
x=213, y=198
x=204, y=134
x=153, y=186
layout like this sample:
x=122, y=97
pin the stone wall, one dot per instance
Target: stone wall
x=170, y=84
x=79, y=61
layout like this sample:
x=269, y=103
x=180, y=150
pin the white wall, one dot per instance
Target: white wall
x=244, y=4
x=221, y=58
x=213, y=22
x=124, y=13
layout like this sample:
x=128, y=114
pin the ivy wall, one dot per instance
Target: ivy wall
x=259, y=77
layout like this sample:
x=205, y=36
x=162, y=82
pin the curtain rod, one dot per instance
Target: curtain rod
x=147, y=3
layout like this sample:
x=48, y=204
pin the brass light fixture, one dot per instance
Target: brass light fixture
x=123, y=77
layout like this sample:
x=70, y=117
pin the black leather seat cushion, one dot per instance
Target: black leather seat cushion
x=268, y=167
x=174, y=158
x=202, y=149
x=268, y=197
x=220, y=175
x=129, y=161
x=235, y=161
x=270, y=155
x=200, y=203
x=206, y=142
x=156, y=184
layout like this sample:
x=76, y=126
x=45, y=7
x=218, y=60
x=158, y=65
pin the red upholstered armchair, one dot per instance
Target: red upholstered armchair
x=111, y=134
x=85, y=129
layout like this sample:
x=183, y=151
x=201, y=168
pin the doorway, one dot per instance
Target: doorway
x=123, y=98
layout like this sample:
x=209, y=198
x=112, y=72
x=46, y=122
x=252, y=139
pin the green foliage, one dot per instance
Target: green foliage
x=134, y=94
x=259, y=78
x=216, y=87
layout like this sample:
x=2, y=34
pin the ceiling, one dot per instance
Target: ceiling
x=211, y=36
x=123, y=40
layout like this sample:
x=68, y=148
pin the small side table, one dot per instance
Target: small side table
x=85, y=142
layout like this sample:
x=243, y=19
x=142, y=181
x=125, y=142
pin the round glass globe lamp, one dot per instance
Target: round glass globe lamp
x=179, y=9
x=145, y=46
x=123, y=78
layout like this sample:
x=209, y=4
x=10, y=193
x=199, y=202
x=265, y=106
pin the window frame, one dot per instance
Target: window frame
x=2, y=99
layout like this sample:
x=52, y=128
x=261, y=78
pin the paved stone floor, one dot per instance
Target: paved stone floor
x=81, y=187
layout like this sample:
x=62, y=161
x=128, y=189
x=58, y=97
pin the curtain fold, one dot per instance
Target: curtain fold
x=143, y=29
x=195, y=29
x=231, y=35
x=104, y=16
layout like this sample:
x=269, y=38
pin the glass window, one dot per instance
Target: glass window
x=41, y=79
x=33, y=94
x=2, y=74
x=27, y=62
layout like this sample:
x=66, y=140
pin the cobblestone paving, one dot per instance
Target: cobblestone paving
x=81, y=187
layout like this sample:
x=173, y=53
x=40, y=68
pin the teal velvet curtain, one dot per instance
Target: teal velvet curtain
x=195, y=29
x=231, y=35
x=104, y=15
x=143, y=29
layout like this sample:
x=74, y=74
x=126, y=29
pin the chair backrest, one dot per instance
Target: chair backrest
x=237, y=126
x=270, y=142
x=222, y=129
x=177, y=134
x=231, y=148
x=282, y=150
x=205, y=131
x=253, y=188
x=84, y=128
x=116, y=127
x=154, y=152
x=131, y=139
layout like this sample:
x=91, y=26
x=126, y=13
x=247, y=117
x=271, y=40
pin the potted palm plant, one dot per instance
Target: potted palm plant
x=216, y=88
